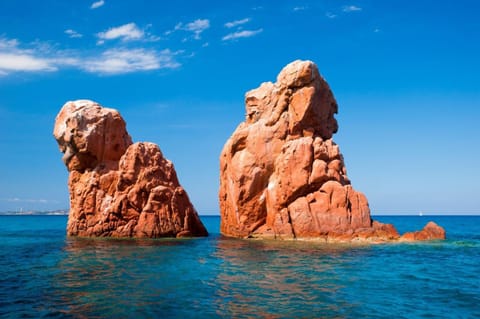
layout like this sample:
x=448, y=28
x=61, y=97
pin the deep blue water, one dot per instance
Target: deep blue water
x=45, y=274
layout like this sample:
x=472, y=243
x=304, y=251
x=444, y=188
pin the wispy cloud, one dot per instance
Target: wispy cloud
x=23, y=62
x=119, y=61
x=73, y=34
x=41, y=58
x=241, y=34
x=97, y=4
x=330, y=15
x=14, y=59
x=150, y=37
x=351, y=8
x=299, y=8
x=125, y=32
x=235, y=23
x=8, y=43
x=197, y=27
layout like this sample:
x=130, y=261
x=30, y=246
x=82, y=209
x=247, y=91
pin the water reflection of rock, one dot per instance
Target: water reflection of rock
x=213, y=276
x=269, y=278
x=105, y=278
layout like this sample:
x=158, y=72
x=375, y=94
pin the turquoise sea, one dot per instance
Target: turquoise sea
x=43, y=274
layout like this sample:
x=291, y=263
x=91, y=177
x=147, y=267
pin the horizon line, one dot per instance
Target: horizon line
x=56, y=213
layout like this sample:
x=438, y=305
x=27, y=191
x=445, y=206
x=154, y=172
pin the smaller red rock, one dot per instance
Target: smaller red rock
x=431, y=231
x=119, y=189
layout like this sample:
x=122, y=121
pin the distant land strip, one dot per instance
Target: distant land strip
x=64, y=212
x=60, y=212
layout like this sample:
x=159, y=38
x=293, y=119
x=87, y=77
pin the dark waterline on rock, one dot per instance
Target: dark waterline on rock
x=45, y=274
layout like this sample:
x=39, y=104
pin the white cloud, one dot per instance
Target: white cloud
x=73, y=34
x=151, y=37
x=330, y=15
x=241, y=34
x=6, y=44
x=197, y=27
x=97, y=4
x=178, y=26
x=299, y=8
x=118, y=61
x=14, y=59
x=43, y=58
x=126, y=32
x=65, y=61
x=235, y=23
x=23, y=62
x=351, y=8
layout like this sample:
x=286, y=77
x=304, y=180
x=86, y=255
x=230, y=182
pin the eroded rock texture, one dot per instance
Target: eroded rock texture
x=281, y=174
x=117, y=188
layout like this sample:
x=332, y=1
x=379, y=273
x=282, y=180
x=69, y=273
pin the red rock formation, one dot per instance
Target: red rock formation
x=431, y=231
x=117, y=188
x=281, y=174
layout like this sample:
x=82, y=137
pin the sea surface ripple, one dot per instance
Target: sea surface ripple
x=44, y=274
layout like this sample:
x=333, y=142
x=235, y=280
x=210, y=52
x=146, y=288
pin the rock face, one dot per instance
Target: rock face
x=117, y=188
x=281, y=174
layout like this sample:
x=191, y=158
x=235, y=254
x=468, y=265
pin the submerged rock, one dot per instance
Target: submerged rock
x=281, y=174
x=117, y=188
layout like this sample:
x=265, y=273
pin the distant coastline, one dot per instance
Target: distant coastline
x=64, y=212
x=60, y=212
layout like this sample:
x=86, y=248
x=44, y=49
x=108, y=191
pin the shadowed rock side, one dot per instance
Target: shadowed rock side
x=119, y=189
x=281, y=174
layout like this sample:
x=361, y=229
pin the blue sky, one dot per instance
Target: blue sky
x=404, y=73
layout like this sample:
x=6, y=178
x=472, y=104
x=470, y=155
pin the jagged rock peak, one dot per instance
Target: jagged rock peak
x=302, y=95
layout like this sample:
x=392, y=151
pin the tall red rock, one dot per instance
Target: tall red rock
x=119, y=189
x=281, y=174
